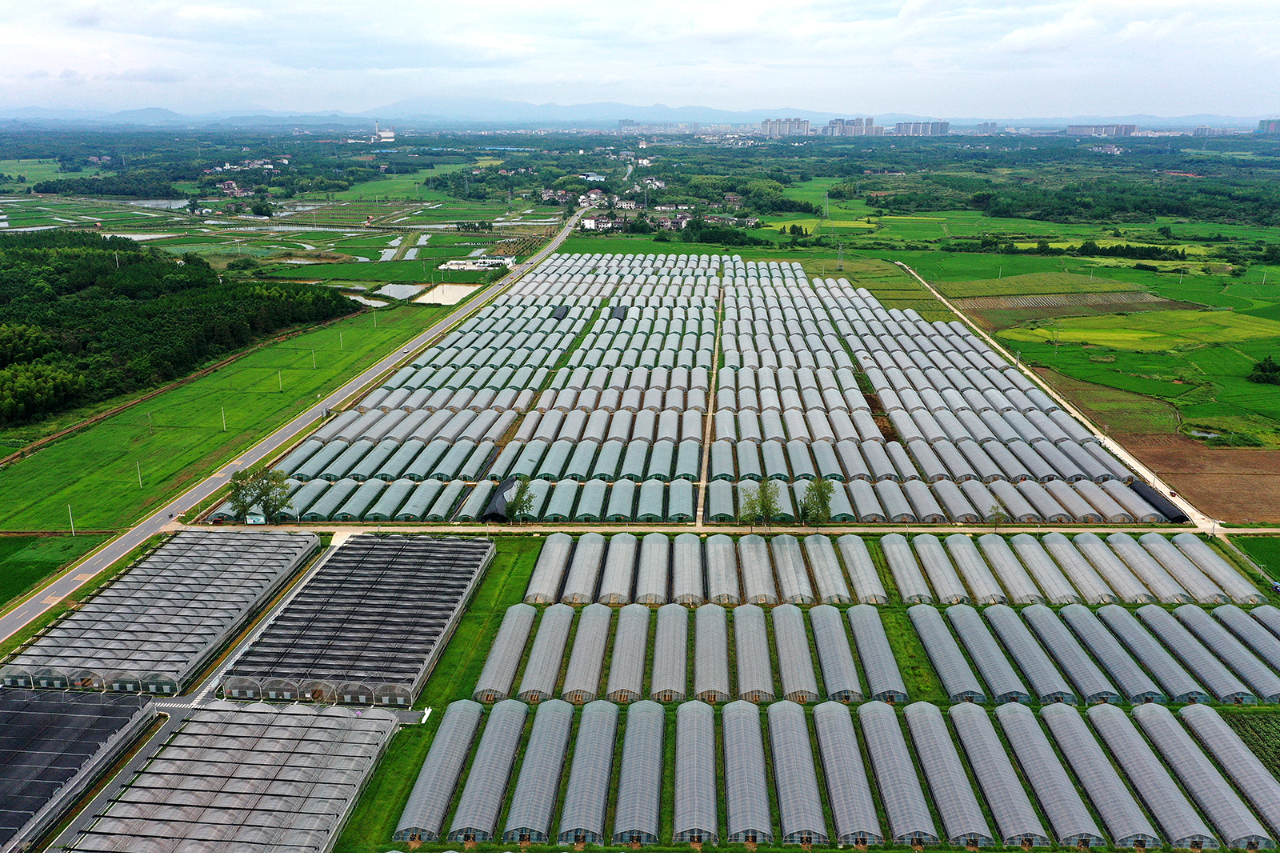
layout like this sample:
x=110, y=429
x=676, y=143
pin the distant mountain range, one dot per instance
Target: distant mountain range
x=492, y=113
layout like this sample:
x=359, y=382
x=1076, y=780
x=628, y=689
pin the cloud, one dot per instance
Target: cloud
x=149, y=75
x=941, y=57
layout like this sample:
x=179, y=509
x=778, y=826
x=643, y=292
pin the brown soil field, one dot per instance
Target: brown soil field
x=1232, y=484
x=1235, y=485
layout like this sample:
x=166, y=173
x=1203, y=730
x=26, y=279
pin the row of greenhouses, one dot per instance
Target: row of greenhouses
x=961, y=776
x=689, y=661
x=958, y=569
x=1080, y=656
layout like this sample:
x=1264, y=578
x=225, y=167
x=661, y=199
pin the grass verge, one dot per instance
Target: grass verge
x=26, y=561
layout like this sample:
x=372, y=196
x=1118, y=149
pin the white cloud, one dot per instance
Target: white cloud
x=942, y=57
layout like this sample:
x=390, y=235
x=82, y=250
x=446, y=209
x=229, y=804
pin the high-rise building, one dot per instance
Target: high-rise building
x=987, y=128
x=1102, y=130
x=922, y=128
x=1269, y=125
x=851, y=127
x=778, y=127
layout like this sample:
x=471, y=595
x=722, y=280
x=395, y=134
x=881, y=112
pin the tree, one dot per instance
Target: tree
x=521, y=500
x=996, y=515
x=273, y=493
x=243, y=493
x=1266, y=372
x=761, y=505
x=815, y=509
x=261, y=487
x=260, y=208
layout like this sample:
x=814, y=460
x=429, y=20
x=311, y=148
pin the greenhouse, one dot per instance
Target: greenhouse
x=1128, y=676
x=494, y=683
x=1003, y=683
x=640, y=780
x=157, y=624
x=711, y=654
x=167, y=797
x=696, y=820
x=630, y=648
x=944, y=653
x=1236, y=824
x=1091, y=684
x=670, y=654
x=582, y=814
x=904, y=802
x=1242, y=766
x=962, y=816
x=1175, y=681
x=1176, y=817
x=1056, y=792
x=1120, y=812
x=848, y=786
x=795, y=664
x=542, y=669
x=582, y=677
x=534, y=797
x=751, y=647
x=1015, y=817
x=1047, y=684
x=56, y=746
x=799, y=804
x=745, y=779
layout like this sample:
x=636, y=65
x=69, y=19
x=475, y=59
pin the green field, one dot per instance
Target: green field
x=27, y=560
x=1153, y=330
x=36, y=171
x=176, y=439
x=1264, y=550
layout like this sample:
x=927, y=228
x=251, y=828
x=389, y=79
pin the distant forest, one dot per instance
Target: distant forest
x=84, y=318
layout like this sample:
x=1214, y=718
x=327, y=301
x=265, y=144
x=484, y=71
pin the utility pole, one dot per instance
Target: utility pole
x=280, y=380
x=150, y=426
x=73, y=520
x=138, y=463
x=313, y=359
x=224, y=418
x=341, y=345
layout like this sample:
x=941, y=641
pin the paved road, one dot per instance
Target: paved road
x=99, y=560
x=1202, y=521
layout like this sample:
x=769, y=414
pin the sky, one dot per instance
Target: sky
x=939, y=58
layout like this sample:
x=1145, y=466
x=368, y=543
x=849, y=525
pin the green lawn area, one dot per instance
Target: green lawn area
x=27, y=560
x=1265, y=551
x=177, y=437
x=36, y=171
x=376, y=813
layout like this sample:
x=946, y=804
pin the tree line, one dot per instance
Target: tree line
x=84, y=318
